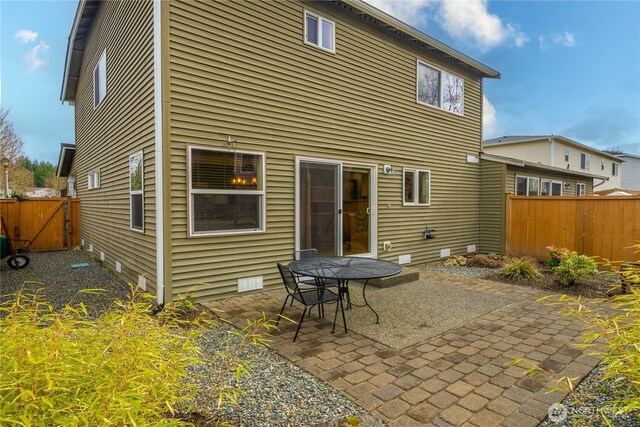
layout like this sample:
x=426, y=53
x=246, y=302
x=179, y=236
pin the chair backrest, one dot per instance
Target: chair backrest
x=288, y=278
x=305, y=254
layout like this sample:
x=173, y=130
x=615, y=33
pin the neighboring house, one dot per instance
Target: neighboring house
x=501, y=175
x=618, y=192
x=214, y=138
x=629, y=171
x=561, y=152
x=41, y=192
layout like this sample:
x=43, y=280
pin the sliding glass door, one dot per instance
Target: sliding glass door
x=335, y=208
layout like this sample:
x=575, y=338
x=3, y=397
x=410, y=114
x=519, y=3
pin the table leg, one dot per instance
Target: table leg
x=364, y=297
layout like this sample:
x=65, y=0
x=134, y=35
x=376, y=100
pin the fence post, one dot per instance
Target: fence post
x=507, y=225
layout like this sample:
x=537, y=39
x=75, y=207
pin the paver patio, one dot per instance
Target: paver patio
x=462, y=377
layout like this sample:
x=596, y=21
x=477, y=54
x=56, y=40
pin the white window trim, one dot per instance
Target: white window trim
x=319, y=35
x=527, y=178
x=91, y=179
x=438, y=107
x=101, y=65
x=615, y=169
x=141, y=192
x=551, y=182
x=587, y=161
x=602, y=165
x=567, y=154
x=191, y=192
x=416, y=187
x=584, y=189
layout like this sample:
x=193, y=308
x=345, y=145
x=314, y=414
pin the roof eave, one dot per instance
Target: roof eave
x=418, y=35
x=525, y=164
x=64, y=96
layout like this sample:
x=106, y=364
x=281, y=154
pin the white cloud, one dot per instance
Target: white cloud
x=463, y=20
x=408, y=11
x=470, y=20
x=34, y=56
x=565, y=39
x=25, y=36
x=490, y=126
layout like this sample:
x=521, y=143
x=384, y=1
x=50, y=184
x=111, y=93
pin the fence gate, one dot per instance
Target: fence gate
x=42, y=224
x=602, y=226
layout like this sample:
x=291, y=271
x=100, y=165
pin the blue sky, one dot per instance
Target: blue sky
x=568, y=68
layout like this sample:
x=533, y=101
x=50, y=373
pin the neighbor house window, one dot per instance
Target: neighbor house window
x=614, y=169
x=550, y=188
x=136, y=192
x=566, y=154
x=585, y=161
x=93, y=179
x=602, y=165
x=319, y=31
x=100, y=80
x=226, y=191
x=440, y=89
x=580, y=190
x=527, y=186
x=417, y=187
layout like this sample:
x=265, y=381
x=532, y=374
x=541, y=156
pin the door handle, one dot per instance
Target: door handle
x=368, y=210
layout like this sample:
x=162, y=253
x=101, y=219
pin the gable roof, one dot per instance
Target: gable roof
x=87, y=10
x=517, y=139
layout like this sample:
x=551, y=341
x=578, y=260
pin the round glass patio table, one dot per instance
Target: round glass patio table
x=342, y=269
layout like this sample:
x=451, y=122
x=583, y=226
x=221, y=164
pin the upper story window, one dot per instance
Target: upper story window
x=527, y=186
x=319, y=31
x=601, y=164
x=566, y=154
x=585, y=161
x=614, y=169
x=226, y=191
x=100, y=80
x=440, y=89
x=417, y=187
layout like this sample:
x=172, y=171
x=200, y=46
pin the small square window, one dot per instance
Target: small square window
x=602, y=165
x=566, y=154
x=93, y=179
x=440, y=89
x=580, y=191
x=100, y=80
x=527, y=186
x=319, y=31
x=417, y=187
x=614, y=169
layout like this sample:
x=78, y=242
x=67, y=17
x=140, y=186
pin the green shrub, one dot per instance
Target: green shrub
x=575, y=267
x=520, y=270
x=125, y=368
x=556, y=255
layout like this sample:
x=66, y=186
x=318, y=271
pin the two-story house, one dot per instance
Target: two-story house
x=629, y=171
x=560, y=152
x=215, y=137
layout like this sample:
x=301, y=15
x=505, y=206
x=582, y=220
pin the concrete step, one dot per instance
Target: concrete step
x=408, y=274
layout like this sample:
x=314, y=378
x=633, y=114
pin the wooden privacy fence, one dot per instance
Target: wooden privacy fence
x=598, y=226
x=42, y=224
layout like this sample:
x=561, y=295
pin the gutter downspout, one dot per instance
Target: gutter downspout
x=157, y=101
x=600, y=183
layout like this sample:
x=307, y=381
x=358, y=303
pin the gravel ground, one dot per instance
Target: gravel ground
x=583, y=408
x=278, y=393
x=459, y=270
x=60, y=284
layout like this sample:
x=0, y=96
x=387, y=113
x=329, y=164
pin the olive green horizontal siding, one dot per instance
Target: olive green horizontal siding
x=242, y=69
x=121, y=125
x=492, y=206
x=512, y=171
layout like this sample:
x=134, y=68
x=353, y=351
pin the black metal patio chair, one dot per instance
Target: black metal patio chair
x=309, y=297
